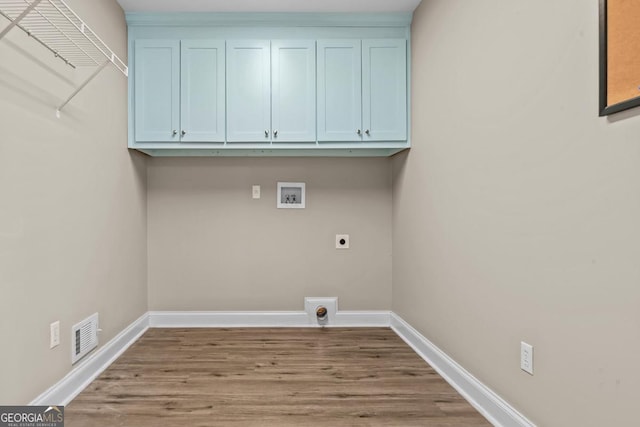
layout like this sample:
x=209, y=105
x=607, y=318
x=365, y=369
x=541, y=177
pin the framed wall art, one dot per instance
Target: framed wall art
x=619, y=55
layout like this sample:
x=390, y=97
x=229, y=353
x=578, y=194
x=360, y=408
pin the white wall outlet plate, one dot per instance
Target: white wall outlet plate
x=526, y=357
x=342, y=241
x=311, y=304
x=255, y=191
x=54, y=334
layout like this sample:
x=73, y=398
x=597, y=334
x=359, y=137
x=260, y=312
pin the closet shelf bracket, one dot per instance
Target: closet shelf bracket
x=55, y=26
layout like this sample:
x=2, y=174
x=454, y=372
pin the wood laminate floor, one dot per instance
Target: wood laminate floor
x=270, y=377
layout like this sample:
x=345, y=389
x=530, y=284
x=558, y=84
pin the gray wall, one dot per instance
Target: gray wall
x=213, y=247
x=73, y=206
x=516, y=215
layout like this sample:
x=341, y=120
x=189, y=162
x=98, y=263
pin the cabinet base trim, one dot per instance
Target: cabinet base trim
x=231, y=152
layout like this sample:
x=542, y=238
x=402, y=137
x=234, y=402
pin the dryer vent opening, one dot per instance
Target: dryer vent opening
x=322, y=313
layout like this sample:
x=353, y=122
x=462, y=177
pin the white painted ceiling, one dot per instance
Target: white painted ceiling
x=269, y=5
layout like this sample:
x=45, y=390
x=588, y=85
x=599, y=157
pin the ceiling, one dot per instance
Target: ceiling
x=269, y=5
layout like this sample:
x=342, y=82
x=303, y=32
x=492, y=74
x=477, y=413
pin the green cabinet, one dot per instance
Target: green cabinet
x=179, y=91
x=248, y=91
x=384, y=90
x=202, y=91
x=339, y=90
x=362, y=90
x=271, y=91
x=216, y=84
x=157, y=90
x=293, y=90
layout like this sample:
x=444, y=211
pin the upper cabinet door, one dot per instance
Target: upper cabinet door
x=202, y=114
x=248, y=91
x=339, y=90
x=157, y=90
x=293, y=90
x=384, y=90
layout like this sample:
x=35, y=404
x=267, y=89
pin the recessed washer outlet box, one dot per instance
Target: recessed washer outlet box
x=311, y=304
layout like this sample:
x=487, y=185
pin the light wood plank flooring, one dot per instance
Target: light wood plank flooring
x=270, y=377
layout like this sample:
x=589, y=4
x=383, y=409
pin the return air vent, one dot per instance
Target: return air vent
x=84, y=337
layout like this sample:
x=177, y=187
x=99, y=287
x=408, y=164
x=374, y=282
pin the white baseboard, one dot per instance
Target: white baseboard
x=362, y=319
x=490, y=405
x=263, y=319
x=86, y=371
x=227, y=319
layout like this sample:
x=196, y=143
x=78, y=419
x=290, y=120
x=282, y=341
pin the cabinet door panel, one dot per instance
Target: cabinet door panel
x=202, y=91
x=248, y=91
x=157, y=93
x=293, y=90
x=384, y=90
x=339, y=90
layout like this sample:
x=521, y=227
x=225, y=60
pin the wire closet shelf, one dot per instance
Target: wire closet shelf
x=55, y=26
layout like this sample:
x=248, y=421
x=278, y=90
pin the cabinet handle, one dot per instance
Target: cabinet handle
x=367, y=132
x=183, y=133
x=275, y=133
x=174, y=133
x=359, y=132
x=266, y=133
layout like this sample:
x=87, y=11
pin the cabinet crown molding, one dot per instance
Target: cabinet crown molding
x=236, y=19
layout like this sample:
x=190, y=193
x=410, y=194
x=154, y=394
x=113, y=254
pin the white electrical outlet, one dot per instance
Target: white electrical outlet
x=526, y=357
x=342, y=241
x=255, y=191
x=54, y=334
